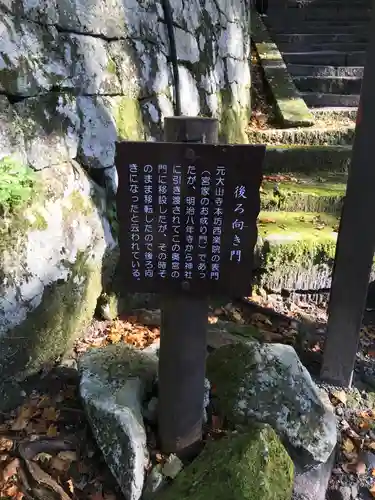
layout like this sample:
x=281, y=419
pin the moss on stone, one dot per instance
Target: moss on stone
x=233, y=120
x=249, y=466
x=67, y=304
x=313, y=136
x=245, y=331
x=297, y=238
x=128, y=118
x=18, y=183
x=115, y=364
x=40, y=223
x=49, y=330
x=290, y=107
x=111, y=67
x=78, y=204
x=296, y=250
x=317, y=193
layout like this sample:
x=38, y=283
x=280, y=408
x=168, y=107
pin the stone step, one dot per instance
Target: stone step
x=310, y=136
x=331, y=85
x=305, y=4
x=317, y=38
x=295, y=250
x=335, y=113
x=294, y=192
x=347, y=14
x=316, y=27
x=343, y=47
x=307, y=159
x=297, y=70
x=330, y=58
x=316, y=99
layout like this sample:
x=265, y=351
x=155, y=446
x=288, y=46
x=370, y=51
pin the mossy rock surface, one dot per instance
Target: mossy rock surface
x=268, y=383
x=52, y=250
x=114, y=382
x=249, y=466
x=303, y=136
x=290, y=107
x=320, y=192
x=296, y=250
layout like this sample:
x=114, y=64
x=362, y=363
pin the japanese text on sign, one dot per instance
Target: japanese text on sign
x=186, y=221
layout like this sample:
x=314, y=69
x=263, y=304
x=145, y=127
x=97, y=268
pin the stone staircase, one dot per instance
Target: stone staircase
x=299, y=218
x=323, y=43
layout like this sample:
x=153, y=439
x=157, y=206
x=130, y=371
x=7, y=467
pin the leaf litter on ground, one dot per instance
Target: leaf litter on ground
x=45, y=455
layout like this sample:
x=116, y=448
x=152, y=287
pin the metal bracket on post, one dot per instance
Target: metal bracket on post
x=183, y=347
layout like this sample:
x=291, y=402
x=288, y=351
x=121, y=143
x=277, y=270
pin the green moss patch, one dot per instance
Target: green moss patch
x=297, y=249
x=17, y=183
x=315, y=193
x=128, y=118
x=49, y=330
x=312, y=136
x=233, y=119
x=249, y=466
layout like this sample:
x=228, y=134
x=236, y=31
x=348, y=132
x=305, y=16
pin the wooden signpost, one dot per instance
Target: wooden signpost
x=187, y=211
x=356, y=240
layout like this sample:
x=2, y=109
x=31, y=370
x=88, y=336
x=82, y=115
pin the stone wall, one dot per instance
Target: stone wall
x=103, y=70
x=75, y=76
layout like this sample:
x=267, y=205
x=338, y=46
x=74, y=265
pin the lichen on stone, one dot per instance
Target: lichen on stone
x=267, y=382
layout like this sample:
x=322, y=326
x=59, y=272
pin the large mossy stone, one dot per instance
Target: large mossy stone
x=52, y=251
x=296, y=250
x=267, y=382
x=114, y=380
x=249, y=466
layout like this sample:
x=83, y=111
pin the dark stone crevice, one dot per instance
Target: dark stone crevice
x=173, y=55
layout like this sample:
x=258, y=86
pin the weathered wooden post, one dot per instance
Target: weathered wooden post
x=183, y=346
x=187, y=211
x=356, y=240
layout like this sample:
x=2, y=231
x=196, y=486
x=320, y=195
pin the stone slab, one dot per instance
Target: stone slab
x=303, y=136
x=320, y=99
x=290, y=107
x=323, y=70
x=329, y=85
x=307, y=159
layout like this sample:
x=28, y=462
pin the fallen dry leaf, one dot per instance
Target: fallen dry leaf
x=358, y=468
x=261, y=318
x=340, y=396
x=114, y=337
x=70, y=486
x=11, y=469
x=348, y=446
x=372, y=491
x=12, y=492
x=50, y=414
x=59, y=464
x=24, y=414
x=42, y=457
x=5, y=444
x=52, y=431
x=70, y=456
x=212, y=320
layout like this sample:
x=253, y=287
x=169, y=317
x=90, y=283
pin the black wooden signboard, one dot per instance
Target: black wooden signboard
x=187, y=216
